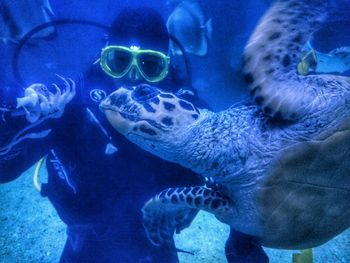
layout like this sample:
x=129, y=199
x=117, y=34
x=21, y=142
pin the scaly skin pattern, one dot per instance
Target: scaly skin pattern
x=236, y=147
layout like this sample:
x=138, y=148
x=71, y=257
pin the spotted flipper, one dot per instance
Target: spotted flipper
x=174, y=209
x=274, y=51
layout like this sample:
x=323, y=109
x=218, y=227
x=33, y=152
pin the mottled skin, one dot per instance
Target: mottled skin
x=247, y=148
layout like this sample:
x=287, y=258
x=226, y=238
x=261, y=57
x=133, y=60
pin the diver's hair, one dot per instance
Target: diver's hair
x=142, y=24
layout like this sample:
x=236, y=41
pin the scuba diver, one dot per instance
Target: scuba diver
x=97, y=180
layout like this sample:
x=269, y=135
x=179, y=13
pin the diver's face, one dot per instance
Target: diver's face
x=134, y=76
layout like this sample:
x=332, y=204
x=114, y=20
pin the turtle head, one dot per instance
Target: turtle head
x=155, y=120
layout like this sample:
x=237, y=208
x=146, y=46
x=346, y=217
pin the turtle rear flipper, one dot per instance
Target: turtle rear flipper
x=174, y=209
x=272, y=56
x=304, y=198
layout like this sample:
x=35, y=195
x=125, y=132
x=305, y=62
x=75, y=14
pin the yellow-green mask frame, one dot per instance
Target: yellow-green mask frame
x=135, y=54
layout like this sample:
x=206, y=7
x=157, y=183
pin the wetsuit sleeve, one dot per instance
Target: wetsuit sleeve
x=21, y=143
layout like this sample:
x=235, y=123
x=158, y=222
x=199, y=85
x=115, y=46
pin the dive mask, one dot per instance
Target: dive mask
x=117, y=61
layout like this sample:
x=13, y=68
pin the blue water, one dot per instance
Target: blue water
x=216, y=77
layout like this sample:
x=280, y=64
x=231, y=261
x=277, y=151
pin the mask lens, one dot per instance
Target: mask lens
x=151, y=65
x=118, y=61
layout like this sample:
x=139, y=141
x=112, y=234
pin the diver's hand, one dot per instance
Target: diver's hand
x=39, y=102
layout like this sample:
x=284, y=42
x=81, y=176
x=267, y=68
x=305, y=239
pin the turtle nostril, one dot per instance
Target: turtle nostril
x=144, y=92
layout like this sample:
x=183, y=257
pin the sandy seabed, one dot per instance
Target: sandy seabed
x=31, y=231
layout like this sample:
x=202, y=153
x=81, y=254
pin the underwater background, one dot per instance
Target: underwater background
x=30, y=229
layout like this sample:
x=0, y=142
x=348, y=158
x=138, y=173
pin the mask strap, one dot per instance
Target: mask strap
x=29, y=35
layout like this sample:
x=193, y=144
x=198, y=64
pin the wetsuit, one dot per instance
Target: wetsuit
x=97, y=192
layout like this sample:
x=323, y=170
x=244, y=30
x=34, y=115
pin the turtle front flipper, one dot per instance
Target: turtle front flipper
x=274, y=52
x=174, y=209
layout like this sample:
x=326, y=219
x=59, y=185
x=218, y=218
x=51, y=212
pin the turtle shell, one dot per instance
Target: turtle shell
x=304, y=199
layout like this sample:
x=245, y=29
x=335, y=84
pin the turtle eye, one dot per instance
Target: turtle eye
x=144, y=92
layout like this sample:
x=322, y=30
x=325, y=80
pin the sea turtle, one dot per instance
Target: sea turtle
x=278, y=168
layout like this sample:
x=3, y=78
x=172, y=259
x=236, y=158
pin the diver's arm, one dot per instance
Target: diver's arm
x=20, y=146
x=21, y=157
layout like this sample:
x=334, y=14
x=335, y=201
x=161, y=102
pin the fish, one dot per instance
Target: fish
x=336, y=61
x=19, y=17
x=173, y=3
x=186, y=23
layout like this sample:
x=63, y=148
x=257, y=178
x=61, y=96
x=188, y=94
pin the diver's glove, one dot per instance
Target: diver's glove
x=39, y=102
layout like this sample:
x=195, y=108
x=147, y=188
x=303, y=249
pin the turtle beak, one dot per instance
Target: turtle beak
x=115, y=100
x=105, y=104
